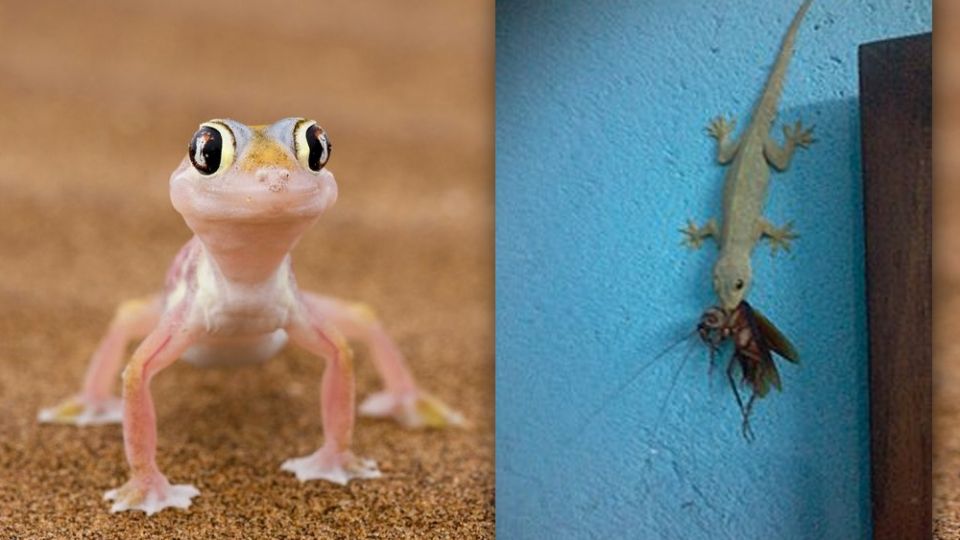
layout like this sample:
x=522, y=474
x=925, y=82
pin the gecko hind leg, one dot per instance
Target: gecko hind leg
x=694, y=236
x=96, y=404
x=779, y=237
x=401, y=398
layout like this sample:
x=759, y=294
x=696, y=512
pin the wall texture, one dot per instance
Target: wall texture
x=601, y=158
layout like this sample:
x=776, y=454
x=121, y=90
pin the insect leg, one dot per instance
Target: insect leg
x=733, y=383
x=747, y=431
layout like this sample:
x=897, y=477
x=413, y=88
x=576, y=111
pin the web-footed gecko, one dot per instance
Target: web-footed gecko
x=248, y=193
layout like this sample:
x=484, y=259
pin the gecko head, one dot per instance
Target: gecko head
x=732, y=277
x=255, y=174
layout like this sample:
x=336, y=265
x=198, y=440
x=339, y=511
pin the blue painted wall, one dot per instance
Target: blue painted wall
x=601, y=158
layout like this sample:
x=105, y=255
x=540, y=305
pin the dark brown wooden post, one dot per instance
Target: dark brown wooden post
x=895, y=109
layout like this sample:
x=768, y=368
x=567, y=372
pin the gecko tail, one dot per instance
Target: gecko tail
x=766, y=109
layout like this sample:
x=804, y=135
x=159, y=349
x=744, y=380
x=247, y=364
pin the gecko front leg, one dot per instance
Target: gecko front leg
x=779, y=237
x=779, y=157
x=694, y=236
x=148, y=489
x=400, y=399
x=721, y=129
x=334, y=461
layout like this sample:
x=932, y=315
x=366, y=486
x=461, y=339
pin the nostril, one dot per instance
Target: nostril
x=273, y=176
x=274, y=179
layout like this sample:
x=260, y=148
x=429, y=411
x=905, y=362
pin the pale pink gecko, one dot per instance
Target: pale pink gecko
x=248, y=193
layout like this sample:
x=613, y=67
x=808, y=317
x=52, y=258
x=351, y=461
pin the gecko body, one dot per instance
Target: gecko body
x=749, y=160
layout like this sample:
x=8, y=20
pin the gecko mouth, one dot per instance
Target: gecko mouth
x=257, y=197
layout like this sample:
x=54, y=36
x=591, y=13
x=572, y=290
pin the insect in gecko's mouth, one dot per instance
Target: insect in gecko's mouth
x=755, y=340
x=714, y=327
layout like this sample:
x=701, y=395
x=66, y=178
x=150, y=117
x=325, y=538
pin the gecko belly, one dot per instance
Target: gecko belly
x=235, y=351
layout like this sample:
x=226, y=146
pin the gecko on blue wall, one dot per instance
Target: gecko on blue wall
x=601, y=152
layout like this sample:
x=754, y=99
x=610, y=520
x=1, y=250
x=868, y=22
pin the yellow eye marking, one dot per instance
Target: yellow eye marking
x=263, y=151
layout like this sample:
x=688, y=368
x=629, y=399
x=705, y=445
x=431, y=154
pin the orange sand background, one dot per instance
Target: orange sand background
x=97, y=103
x=946, y=306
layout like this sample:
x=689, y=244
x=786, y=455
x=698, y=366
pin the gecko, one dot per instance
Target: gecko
x=749, y=160
x=248, y=193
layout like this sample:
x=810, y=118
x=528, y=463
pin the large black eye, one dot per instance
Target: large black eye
x=739, y=284
x=312, y=145
x=211, y=148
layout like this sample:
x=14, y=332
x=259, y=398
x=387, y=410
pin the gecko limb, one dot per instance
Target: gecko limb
x=799, y=136
x=401, y=398
x=779, y=237
x=95, y=403
x=148, y=489
x=779, y=157
x=694, y=236
x=334, y=461
x=721, y=129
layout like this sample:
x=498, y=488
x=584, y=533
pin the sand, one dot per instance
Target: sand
x=946, y=306
x=97, y=104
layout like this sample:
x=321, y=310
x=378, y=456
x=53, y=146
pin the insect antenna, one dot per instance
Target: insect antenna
x=627, y=383
x=673, y=385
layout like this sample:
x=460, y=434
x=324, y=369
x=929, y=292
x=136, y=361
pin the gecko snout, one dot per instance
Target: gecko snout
x=274, y=178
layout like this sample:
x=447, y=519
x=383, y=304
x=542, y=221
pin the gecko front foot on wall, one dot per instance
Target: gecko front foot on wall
x=412, y=409
x=332, y=466
x=720, y=128
x=799, y=136
x=83, y=412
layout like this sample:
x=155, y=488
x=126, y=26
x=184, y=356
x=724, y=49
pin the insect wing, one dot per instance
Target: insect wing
x=769, y=374
x=774, y=339
x=759, y=371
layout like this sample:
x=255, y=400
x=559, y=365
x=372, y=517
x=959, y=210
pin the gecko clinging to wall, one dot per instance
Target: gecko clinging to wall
x=749, y=159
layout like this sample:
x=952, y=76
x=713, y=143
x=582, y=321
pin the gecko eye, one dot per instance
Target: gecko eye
x=212, y=148
x=738, y=285
x=312, y=146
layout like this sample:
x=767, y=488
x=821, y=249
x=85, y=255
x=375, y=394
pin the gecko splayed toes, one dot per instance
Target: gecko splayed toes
x=754, y=339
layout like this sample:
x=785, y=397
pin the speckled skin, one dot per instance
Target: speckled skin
x=230, y=297
x=745, y=184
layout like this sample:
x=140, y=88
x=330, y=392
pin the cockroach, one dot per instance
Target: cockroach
x=755, y=339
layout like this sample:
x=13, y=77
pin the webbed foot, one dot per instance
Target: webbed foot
x=412, y=410
x=82, y=412
x=799, y=136
x=720, y=128
x=151, y=495
x=332, y=466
